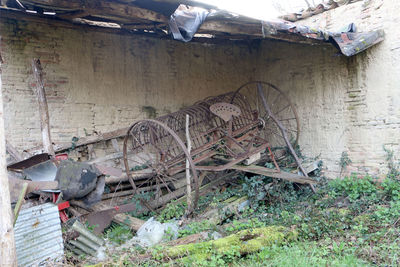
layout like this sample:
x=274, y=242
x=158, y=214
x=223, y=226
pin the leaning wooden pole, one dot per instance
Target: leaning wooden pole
x=283, y=131
x=43, y=108
x=7, y=245
x=188, y=177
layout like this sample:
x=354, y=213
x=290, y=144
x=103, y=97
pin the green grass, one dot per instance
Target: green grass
x=302, y=254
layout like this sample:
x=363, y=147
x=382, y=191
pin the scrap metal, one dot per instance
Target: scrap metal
x=38, y=235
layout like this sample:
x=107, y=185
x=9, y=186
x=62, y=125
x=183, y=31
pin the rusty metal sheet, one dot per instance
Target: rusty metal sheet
x=19, y=166
x=38, y=235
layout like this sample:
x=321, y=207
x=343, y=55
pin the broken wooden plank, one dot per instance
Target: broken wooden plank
x=43, y=108
x=274, y=174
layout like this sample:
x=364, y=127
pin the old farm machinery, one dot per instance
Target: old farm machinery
x=253, y=124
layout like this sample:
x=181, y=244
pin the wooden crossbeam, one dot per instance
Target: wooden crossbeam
x=99, y=8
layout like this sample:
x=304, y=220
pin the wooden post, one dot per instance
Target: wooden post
x=8, y=255
x=188, y=184
x=43, y=108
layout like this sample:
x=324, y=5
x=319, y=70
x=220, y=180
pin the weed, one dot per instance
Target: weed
x=393, y=166
x=172, y=210
x=354, y=187
x=196, y=227
x=344, y=161
x=118, y=233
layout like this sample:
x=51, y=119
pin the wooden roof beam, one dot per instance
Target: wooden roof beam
x=99, y=8
x=254, y=30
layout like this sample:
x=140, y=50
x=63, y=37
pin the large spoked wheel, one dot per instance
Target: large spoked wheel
x=155, y=160
x=281, y=107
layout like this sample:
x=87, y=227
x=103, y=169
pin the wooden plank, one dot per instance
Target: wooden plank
x=43, y=108
x=83, y=141
x=101, y=8
x=274, y=174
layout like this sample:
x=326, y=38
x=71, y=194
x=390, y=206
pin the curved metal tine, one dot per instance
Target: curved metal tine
x=169, y=147
x=194, y=121
x=160, y=141
x=172, y=123
x=144, y=150
x=143, y=161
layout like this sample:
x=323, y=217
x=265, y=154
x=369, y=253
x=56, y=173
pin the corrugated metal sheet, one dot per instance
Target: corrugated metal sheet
x=38, y=235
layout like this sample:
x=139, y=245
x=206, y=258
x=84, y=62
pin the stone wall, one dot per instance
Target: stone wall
x=347, y=105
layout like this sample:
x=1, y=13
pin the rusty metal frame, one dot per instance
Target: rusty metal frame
x=211, y=136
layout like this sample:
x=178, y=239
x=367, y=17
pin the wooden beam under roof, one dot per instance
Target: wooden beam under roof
x=249, y=29
x=136, y=18
x=107, y=9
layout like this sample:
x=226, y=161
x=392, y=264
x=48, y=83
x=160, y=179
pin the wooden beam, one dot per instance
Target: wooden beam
x=43, y=108
x=254, y=30
x=8, y=256
x=107, y=9
x=74, y=14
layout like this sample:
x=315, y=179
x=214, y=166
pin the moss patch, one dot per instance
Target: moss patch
x=245, y=241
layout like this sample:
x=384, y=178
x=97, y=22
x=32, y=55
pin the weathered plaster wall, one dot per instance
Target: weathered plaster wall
x=97, y=81
x=346, y=104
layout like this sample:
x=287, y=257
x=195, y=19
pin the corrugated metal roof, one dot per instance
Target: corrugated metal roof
x=38, y=235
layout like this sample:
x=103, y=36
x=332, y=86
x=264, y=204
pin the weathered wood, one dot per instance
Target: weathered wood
x=189, y=209
x=19, y=202
x=217, y=215
x=43, y=108
x=7, y=244
x=112, y=156
x=105, y=9
x=274, y=174
x=83, y=141
x=194, y=238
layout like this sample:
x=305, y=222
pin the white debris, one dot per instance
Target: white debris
x=153, y=232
